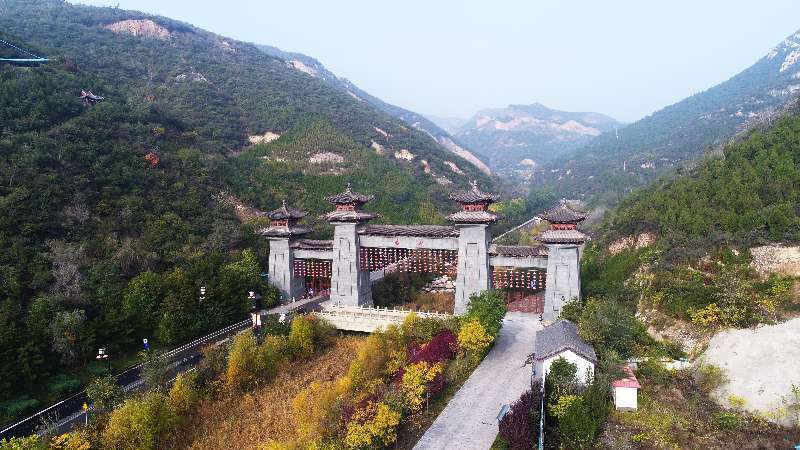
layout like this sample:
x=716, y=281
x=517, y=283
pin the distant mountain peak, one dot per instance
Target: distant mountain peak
x=788, y=50
x=526, y=135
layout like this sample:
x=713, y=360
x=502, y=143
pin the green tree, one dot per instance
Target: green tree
x=104, y=392
x=141, y=301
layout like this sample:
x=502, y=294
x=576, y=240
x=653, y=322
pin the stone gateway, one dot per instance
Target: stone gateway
x=464, y=251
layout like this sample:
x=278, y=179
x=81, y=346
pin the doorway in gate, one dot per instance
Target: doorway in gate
x=315, y=285
x=524, y=300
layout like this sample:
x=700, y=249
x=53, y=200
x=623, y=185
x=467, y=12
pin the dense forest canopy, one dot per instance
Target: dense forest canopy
x=747, y=196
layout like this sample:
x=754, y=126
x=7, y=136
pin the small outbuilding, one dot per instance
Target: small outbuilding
x=626, y=391
x=561, y=340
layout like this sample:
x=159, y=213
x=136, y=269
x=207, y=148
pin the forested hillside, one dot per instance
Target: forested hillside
x=696, y=267
x=110, y=214
x=617, y=162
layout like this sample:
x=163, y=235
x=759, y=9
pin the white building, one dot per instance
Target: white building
x=561, y=340
x=626, y=391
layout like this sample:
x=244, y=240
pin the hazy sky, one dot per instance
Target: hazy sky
x=625, y=58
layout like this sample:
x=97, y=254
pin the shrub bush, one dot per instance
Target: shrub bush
x=488, y=308
x=441, y=347
x=710, y=377
x=139, y=423
x=415, y=381
x=609, y=325
x=23, y=443
x=374, y=426
x=473, y=338
x=243, y=364
x=183, y=394
x=104, y=392
x=726, y=420
x=519, y=428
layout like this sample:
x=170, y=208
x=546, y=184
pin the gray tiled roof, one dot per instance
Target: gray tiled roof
x=311, y=244
x=283, y=231
x=432, y=231
x=562, y=237
x=473, y=195
x=348, y=216
x=562, y=213
x=473, y=217
x=560, y=336
x=518, y=251
x=348, y=197
x=284, y=213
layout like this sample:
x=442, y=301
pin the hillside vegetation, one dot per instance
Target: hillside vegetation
x=704, y=222
x=108, y=214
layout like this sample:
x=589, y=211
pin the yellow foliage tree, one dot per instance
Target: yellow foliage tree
x=562, y=404
x=183, y=394
x=272, y=353
x=139, y=423
x=370, y=361
x=373, y=427
x=317, y=409
x=301, y=336
x=71, y=441
x=415, y=378
x=473, y=338
x=242, y=368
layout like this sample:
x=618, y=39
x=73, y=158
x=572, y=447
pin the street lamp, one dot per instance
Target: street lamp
x=255, y=310
x=102, y=354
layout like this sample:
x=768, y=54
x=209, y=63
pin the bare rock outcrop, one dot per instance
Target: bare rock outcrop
x=141, y=27
x=762, y=365
x=776, y=258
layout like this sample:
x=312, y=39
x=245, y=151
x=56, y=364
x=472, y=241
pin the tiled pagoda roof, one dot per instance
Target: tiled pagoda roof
x=562, y=213
x=285, y=213
x=431, y=231
x=348, y=197
x=473, y=217
x=311, y=244
x=283, y=232
x=561, y=336
x=518, y=251
x=473, y=195
x=562, y=237
x=348, y=216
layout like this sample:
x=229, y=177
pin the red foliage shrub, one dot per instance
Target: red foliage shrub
x=443, y=346
x=437, y=385
x=519, y=428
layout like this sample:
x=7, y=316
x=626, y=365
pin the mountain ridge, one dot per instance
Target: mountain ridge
x=527, y=135
x=617, y=162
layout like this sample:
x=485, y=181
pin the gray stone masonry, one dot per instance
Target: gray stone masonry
x=350, y=285
x=472, y=276
x=281, y=263
x=563, y=278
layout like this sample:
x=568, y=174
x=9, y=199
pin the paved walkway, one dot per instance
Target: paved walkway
x=469, y=421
